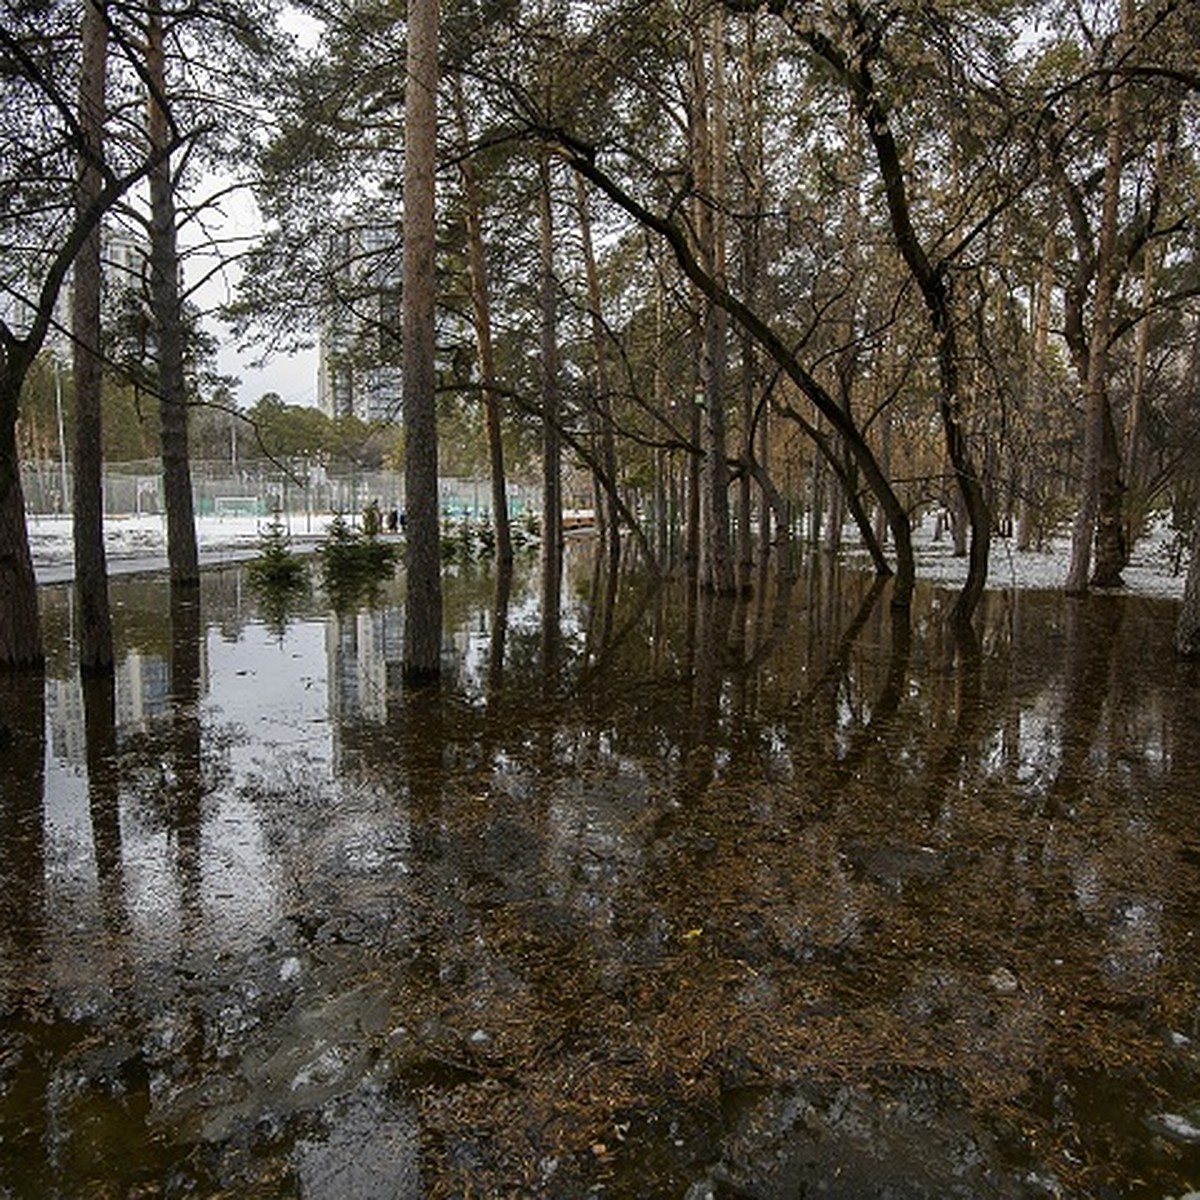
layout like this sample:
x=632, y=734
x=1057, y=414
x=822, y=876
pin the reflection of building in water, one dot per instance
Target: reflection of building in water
x=143, y=696
x=359, y=647
x=64, y=717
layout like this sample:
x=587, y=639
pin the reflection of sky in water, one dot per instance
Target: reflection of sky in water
x=266, y=701
x=275, y=689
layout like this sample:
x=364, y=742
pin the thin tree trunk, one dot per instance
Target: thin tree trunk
x=165, y=302
x=1030, y=487
x=481, y=316
x=665, y=541
x=716, y=568
x=552, y=531
x=91, y=569
x=754, y=425
x=423, y=565
x=1133, y=419
x=607, y=514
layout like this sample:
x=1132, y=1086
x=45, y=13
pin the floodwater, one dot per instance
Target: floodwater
x=756, y=898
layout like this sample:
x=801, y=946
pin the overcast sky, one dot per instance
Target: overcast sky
x=293, y=377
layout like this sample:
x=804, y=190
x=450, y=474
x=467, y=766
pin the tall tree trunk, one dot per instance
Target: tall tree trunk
x=167, y=309
x=1131, y=474
x=91, y=569
x=20, y=634
x=552, y=530
x=1098, y=522
x=665, y=540
x=423, y=565
x=708, y=151
x=755, y=424
x=482, y=320
x=1031, y=491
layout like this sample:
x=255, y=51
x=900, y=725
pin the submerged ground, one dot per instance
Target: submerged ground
x=767, y=898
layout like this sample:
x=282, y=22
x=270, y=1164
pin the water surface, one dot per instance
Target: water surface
x=742, y=898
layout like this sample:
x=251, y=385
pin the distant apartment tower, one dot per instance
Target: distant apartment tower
x=359, y=372
x=123, y=265
x=125, y=260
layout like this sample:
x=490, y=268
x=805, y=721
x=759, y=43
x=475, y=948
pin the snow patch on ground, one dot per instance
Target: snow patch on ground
x=134, y=543
x=140, y=542
x=1150, y=571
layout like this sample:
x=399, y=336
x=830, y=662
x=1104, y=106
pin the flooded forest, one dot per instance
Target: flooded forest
x=762, y=896
x=632, y=813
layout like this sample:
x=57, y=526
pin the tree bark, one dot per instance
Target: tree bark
x=91, y=569
x=716, y=570
x=423, y=567
x=166, y=306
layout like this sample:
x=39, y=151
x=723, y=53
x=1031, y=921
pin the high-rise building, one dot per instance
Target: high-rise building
x=359, y=372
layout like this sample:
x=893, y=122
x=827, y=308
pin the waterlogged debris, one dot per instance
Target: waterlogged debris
x=1177, y=1127
x=897, y=864
x=1002, y=980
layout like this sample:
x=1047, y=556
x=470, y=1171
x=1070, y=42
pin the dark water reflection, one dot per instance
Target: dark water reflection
x=753, y=898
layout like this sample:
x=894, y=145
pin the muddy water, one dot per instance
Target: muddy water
x=744, y=899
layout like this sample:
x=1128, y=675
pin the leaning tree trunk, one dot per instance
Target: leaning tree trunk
x=933, y=281
x=91, y=569
x=423, y=565
x=20, y=629
x=167, y=308
x=780, y=352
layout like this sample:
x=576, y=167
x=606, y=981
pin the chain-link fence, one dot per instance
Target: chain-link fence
x=303, y=489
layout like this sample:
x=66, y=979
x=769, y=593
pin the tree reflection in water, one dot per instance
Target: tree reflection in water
x=736, y=896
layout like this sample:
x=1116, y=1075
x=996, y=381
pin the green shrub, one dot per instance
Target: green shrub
x=348, y=556
x=277, y=566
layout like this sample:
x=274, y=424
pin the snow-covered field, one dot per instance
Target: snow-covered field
x=139, y=543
